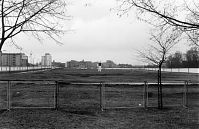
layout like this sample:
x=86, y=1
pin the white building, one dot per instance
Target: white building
x=46, y=60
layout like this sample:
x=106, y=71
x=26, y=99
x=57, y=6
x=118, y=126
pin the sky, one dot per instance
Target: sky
x=97, y=34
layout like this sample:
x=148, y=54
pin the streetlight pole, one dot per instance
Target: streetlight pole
x=171, y=65
x=20, y=66
x=33, y=63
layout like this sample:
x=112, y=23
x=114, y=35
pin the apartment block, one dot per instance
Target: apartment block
x=46, y=60
x=13, y=59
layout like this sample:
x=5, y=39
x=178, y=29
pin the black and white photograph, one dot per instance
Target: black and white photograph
x=99, y=64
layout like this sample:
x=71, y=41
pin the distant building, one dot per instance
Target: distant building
x=81, y=64
x=125, y=66
x=184, y=57
x=13, y=59
x=24, y=60
x=72, y=64
x=85, y=64
x=46, y=60
x=90, y=65
x=42, y=60
x=109, y=64
x=58, y=64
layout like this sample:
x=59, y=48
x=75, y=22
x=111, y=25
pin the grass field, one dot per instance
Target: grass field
x=79, y=104
x=79, y=75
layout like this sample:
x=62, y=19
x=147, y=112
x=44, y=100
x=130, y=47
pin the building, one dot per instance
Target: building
x=46, y=60
x=80, y=64
x=72, y=64
x=90, y=65
x=109, y=64
x=13, y=59
x=58, y=64
x=125, y=66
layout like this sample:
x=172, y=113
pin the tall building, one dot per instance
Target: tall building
x=13, y=59
x=46, y=60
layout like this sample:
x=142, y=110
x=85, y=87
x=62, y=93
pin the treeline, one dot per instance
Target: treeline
x=190, y=59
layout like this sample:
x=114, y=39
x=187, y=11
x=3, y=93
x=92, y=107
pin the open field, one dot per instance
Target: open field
x=78, y=75
x=79, y=104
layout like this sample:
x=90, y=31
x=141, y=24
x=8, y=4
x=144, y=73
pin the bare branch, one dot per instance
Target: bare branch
x=161, y=14
x=162, y=43
x=35, y=16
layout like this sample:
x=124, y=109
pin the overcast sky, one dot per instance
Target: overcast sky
x=98, y=35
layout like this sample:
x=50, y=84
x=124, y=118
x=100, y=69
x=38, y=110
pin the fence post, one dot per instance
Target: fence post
x=102, y=85
x=57, y=96
x=8, y=96
x=145, y=94
x=185, y=94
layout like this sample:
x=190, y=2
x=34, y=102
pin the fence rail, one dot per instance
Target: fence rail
x=103, y=95
x=184, y=70
x=23, y=68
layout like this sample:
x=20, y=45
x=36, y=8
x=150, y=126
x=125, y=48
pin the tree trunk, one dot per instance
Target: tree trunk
x=0, y=47
x=158, y=89
x=1, y=43
x=160, y=103
x=160, y=85
x=1, y=58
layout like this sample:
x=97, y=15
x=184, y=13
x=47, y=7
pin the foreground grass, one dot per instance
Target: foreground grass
x=169, y=118
x=79, y=108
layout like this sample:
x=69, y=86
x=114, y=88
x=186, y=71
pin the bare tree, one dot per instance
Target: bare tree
x=37, y=17
x=157, y=53
x=181, y=14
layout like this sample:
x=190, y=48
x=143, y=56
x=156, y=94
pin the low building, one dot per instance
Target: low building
x=109, y=64
x=89, y=65
x=58, y=64
x=125, y=66
x=81, y=64
x=72, y=64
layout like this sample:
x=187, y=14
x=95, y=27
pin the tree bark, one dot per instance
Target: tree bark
x=160, y=102
x=158, y=89
x=1, y=44
x=160, y=86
